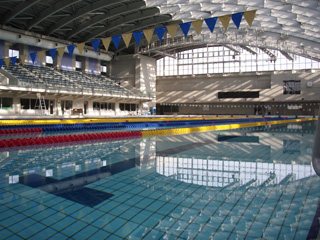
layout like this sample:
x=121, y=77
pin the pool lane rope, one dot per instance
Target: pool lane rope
x=21, y=142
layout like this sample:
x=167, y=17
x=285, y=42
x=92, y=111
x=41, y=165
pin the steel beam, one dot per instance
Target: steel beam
x=109, y=15
x=51, y=11
x=102, y=4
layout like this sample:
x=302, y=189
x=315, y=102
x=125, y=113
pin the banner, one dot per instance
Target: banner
x=106, y=43
x=42, y=56
x=249, y=16
x=96, y=44
x=116, y=40
x=127, y=38
x=211, y=23
x=148, y=33
x=13, y=60
x=197, y=26
x=225, y=20
x=160, y=31
x=7, y=61
x=185, y=27
x=137, y=36
x=80, y=47
x=22, y=59
x=172, y=30
x=53, y=53
x=33, y=57
x=60, y=51
x=237, y=18
x=71, y=48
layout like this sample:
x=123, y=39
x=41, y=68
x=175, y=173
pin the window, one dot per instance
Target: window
x=78, y=65
x=68, y=104
x=219, y=59
x=13, y=53
x=49, y=60
x=292, y=87
x=103, y=106
x=6, y=103
x=128, y=107
x=27, y=103
x=96, y=106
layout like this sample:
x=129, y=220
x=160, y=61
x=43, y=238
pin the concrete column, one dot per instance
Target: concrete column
x=85, y=64
x=16, y=105
x=116, y=108
x=6, y=48
x=23, y=50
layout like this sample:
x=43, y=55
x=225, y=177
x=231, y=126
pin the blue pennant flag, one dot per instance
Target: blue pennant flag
x=185, y=27
x=33, y=57
x=211, y=23
x=160, y=31
x=137, y=37
x=1, y=63
x=96, y=44
x=236, y=18
x=13, y=60
x=53, y=53
x=116, y=40
x=71, y=48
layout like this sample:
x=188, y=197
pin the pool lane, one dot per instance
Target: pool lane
x=187, y=128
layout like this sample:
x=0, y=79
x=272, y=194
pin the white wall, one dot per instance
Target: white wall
x=201, y=88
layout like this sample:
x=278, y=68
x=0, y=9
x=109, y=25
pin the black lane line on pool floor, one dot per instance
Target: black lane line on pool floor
x=73, y=188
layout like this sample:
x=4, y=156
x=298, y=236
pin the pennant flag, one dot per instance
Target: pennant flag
x=185, y=27
x=33, y=57
x=249, y=16
x=148, y=33
x=53, y=53
x=1, y=63
x=13, y=60
x=96, y=44
x=197, y=25
x=236, y=18
x=7, y=61
x=61, y=51
x=116, y=40
x=211, y=23
x=42, y=55
x=127, y=38
x=225, y=20
x=106, y=42
x=71, y=48
x=172, y=30
x=80, y=47
x=22, y=58
x=160, y=31
x=137, y=37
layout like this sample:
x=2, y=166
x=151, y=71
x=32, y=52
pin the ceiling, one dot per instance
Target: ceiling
x=289, y=25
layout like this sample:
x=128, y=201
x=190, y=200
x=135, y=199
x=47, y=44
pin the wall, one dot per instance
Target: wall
x=195, y=89
x=123, y=69
x=146, y=75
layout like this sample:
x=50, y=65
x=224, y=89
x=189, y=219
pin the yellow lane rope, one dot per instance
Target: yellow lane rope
x=181, y=131
x=10, y=122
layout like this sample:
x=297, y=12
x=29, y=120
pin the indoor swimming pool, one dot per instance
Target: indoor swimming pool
x=248, y=183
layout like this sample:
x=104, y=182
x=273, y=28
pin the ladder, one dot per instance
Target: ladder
x=42, y=104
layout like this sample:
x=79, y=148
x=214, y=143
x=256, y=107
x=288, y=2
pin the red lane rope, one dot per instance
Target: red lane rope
x=20, y=131
x=19, y=142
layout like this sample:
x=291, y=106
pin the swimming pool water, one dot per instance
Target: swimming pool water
x=246, y=184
